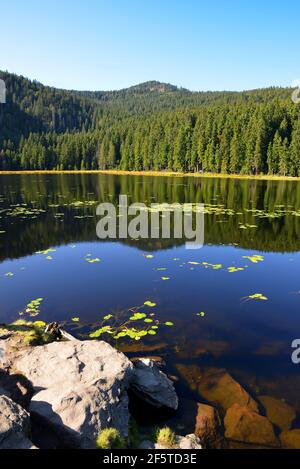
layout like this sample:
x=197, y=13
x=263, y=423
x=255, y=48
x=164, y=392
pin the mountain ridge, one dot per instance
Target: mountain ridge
x=146, y=86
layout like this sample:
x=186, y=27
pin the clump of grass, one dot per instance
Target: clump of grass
x=31, y=333
x=165, y=437
x=110, y=438
x=33, y=338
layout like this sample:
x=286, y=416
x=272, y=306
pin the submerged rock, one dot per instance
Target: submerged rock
x=153, y=385
x=139, y=347
x=191, y=374
x=291, y=439
x=79, y=388
x=218, y=348
x=244, y=425
x=14, y=425
x=278, y=412
x=217, y=386
x=208, y=426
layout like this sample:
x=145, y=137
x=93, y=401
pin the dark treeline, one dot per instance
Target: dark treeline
x=152, y=126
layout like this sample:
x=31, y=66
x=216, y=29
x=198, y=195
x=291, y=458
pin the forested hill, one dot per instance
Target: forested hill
x=149, y=126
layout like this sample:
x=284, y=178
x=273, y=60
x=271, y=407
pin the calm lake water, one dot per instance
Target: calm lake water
x=250, y=337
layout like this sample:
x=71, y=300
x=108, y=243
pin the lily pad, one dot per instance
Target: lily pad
x=107, y=317
x=255, y=258
x=257, y=296
x=235, y=269
x=137, y=316
x=150, y=304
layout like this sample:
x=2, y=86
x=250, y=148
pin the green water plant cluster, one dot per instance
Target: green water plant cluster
x=46, y=251
x=132, y=324
x=254, y=258
x=90, y=259
x=212, y=266
x=23, y=211
x=32, y=308
x=255, y=296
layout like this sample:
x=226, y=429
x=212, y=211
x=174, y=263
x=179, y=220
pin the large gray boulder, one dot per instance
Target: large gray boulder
x=14, y=425
x=79, y=388
x=153, y=385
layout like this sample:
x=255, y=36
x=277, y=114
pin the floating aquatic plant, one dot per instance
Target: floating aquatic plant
x=137, y=316
x=201, y=314
x=32, y=308
x=150, y=304
x=92, y=261
x=246, y=226
x=46, y=251
x=212, y=266
x=256, y=296
x=100, y=331
x=135, y=327
x=107, y=317
x=235, y=269
x=23, y=212
x=255, y=258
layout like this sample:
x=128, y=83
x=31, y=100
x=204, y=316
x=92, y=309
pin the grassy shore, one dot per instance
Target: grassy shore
x=265, y=177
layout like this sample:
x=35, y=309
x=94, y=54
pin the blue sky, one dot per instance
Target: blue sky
x=112, y=44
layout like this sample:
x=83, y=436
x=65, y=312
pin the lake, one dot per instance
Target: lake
x=49, y=249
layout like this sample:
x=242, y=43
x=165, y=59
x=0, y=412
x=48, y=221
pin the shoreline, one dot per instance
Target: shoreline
x=117, y=172
x=105, y=369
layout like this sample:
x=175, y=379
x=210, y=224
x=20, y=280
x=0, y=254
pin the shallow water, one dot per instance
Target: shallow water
x=251, y=338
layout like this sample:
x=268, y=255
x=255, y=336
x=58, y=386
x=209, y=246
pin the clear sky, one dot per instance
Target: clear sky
x=112, y=44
